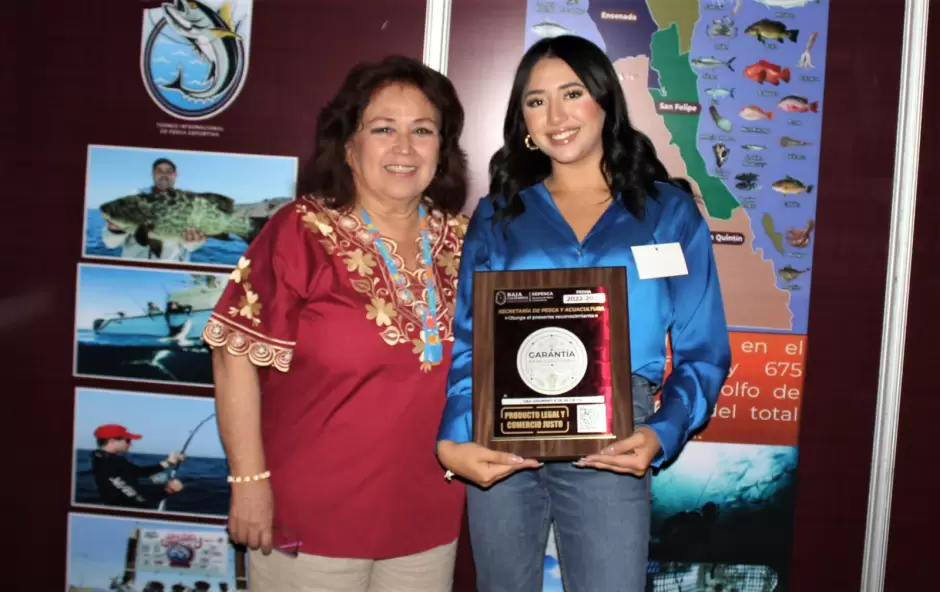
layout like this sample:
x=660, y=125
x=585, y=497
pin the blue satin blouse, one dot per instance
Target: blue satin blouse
x=688, y=308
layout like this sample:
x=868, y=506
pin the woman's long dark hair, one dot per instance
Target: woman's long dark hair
x=630, y=164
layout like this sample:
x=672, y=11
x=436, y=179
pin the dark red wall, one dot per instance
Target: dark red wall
x=847, y=304
x=915, y=516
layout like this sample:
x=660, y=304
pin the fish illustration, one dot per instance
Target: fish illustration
x=753, y=147
x=721, y=154
x=213, y=38
x=746, y=181
x=791, y=186
x=718, y=93
x=764, y=71
x=789, y=273
x=788, y=142
x=550, y=29
x=769, y=29
x=711, y=62
x=157, y=217
x=795, y=104
x=753, y=113
x=770, y=4
x=722, y=123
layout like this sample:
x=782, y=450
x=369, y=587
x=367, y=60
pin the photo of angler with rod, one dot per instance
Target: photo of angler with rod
x=148, y=452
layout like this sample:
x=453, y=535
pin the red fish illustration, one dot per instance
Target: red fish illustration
x=795, y=104
x=763, y=71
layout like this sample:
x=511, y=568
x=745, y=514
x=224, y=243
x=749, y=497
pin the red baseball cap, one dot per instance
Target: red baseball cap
x=114, y=431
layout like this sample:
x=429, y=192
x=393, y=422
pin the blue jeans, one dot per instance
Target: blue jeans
x=602, y=524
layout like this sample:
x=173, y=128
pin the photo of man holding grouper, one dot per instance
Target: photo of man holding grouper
x=179, y=207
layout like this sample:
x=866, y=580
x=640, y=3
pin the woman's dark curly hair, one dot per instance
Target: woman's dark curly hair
x=629, y=164
x=327, y=175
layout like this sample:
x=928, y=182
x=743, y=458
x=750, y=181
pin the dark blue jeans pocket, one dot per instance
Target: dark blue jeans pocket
x=643, y=392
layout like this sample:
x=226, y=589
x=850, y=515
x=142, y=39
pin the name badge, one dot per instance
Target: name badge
x=659, y=261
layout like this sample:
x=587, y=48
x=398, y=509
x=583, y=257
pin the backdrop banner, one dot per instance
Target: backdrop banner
x=729, y=92
x=200, y=142
x=210, y=109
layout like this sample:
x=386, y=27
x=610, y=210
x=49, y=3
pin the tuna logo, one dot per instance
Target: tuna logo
x=194, y=55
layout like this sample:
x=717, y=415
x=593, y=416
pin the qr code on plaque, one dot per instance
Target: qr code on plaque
x=592, y=418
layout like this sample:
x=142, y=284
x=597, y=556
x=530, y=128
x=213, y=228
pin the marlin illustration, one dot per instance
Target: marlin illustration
x=213, y=39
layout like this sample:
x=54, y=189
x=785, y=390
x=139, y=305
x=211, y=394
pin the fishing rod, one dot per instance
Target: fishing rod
x=175, y=468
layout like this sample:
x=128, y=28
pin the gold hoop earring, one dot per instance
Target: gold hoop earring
x=529, y=143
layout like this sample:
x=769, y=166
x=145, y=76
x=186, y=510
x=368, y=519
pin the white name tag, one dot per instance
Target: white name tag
x=659, y=261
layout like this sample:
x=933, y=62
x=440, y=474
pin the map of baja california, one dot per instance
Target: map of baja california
x=729, y=93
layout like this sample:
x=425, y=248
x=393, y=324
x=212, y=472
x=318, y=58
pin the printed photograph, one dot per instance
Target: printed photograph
x=679, y=576
x=148, y=452
x=708, y=577
x=144, y=324
x=177, y=207
x=725, y=503
x=551, y=570
x=111, y=554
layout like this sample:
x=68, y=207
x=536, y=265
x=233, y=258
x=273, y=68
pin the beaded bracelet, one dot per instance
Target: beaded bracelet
x=248, y=478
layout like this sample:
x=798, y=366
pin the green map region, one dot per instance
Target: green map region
x=678, y=82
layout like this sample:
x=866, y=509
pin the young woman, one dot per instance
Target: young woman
x=576, y=186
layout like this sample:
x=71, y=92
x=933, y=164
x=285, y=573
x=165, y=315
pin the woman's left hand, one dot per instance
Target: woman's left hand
x=632, y=455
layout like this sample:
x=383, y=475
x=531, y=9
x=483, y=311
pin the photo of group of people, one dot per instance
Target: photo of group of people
x=117, y=554
x=163, y=230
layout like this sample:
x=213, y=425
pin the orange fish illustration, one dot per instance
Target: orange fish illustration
x=753, y=113
x=764, y=71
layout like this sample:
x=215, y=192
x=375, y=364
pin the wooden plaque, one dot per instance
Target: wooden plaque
x=551, y=361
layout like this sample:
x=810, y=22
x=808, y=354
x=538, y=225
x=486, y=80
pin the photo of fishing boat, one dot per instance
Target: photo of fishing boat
x=144, y=324
x=129, y=475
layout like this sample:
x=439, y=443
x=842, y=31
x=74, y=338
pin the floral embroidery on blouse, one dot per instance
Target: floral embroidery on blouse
x=259, y=351
x=344, y=235
x=248, y=306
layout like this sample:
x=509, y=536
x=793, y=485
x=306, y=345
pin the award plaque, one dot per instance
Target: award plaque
x=551, y=361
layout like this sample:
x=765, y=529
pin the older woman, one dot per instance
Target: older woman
x=332, y=343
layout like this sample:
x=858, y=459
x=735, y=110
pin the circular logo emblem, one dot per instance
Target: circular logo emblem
x=179, y=554
x=194, y=57
x=552, y=361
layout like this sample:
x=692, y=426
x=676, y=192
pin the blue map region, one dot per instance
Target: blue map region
x=770, y=108
x=625, y=38
x=550, y=18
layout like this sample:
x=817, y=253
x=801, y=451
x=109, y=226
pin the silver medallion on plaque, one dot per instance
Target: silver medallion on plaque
x=552, y=361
